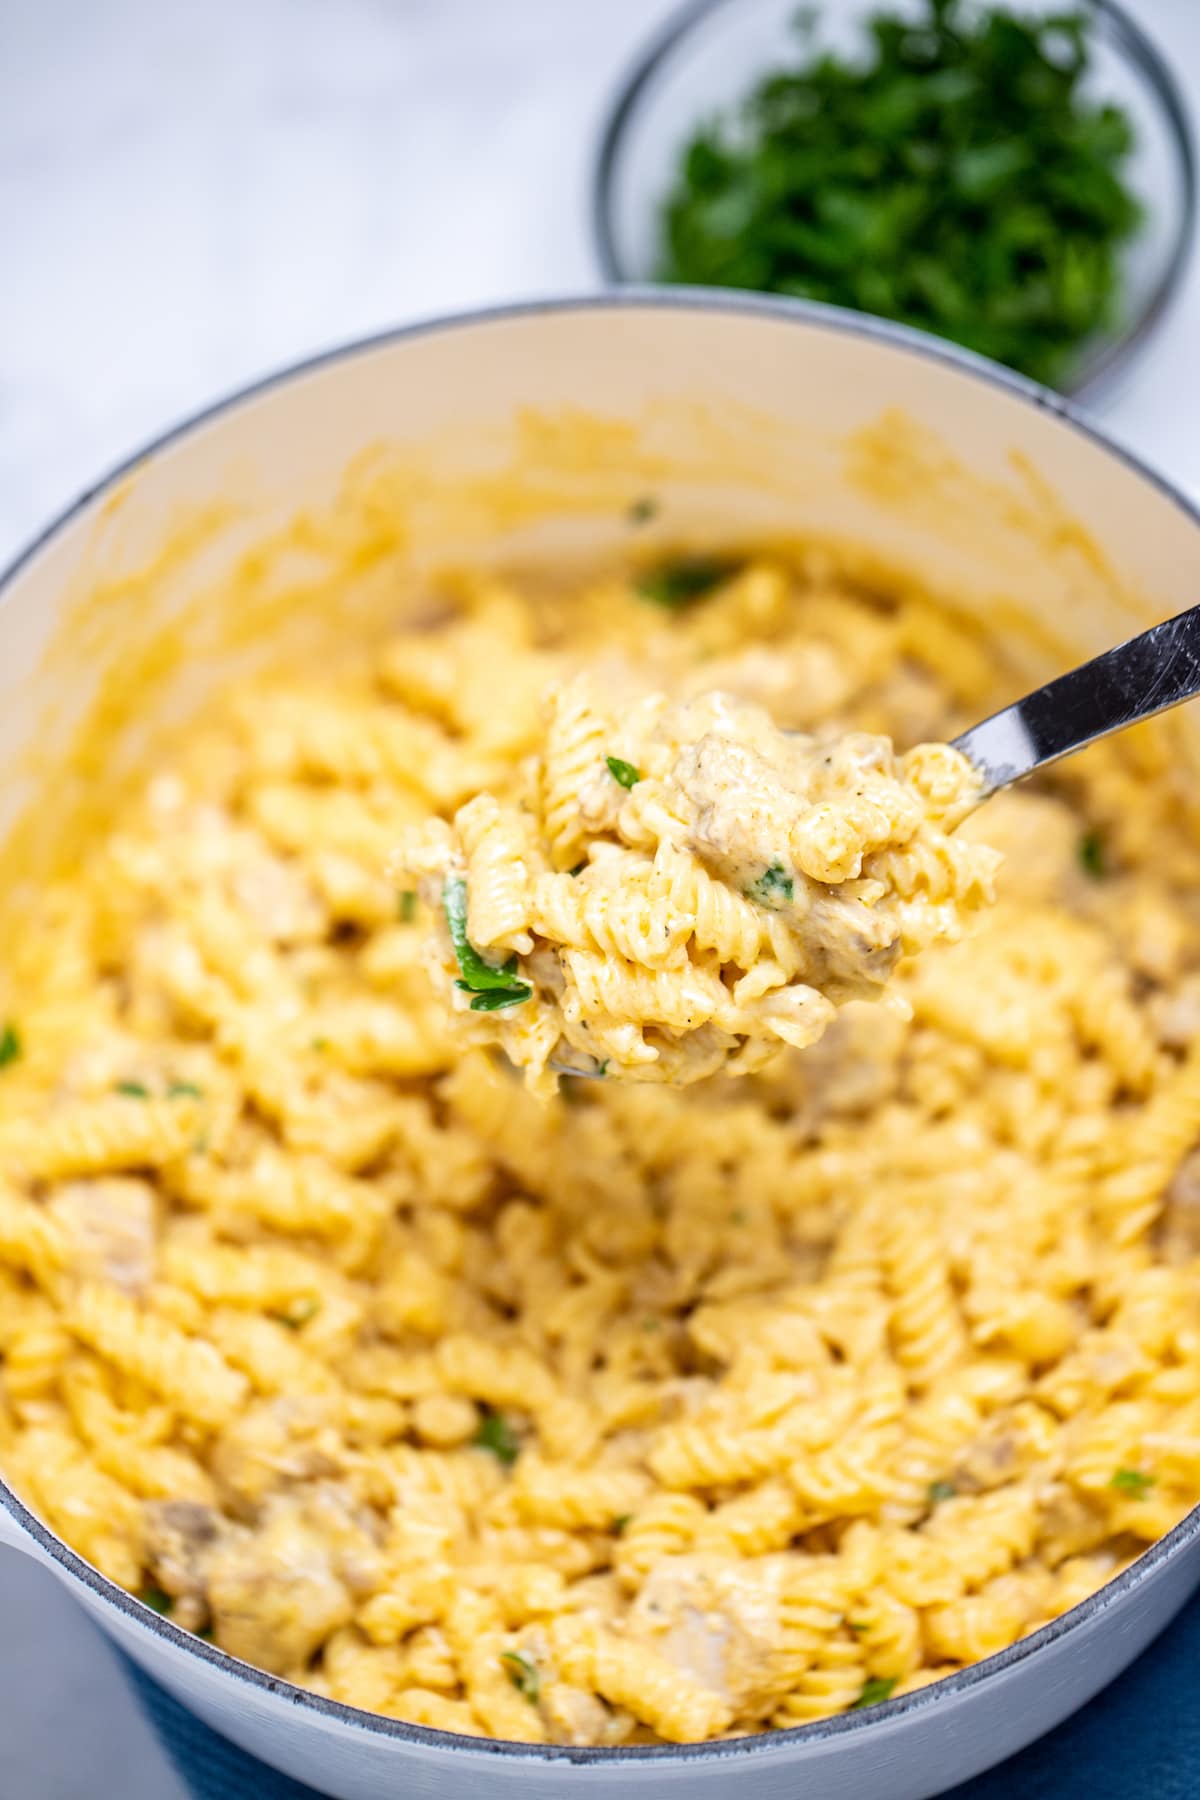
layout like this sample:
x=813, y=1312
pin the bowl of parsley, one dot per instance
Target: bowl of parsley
x=1018, y=178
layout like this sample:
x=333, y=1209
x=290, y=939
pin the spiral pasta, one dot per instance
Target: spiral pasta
x=632, y=1413
x=731, y=885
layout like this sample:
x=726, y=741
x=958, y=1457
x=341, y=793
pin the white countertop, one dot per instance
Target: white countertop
x=195, y=192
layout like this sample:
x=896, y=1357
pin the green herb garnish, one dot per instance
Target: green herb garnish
x=205, y=1634
x=184, y=1090
x=495, y=988
x=406, y=907
x=497, y=1435
x=956, y=174
x=522, y=1671
x=299, y=1312
x=10, y=1044
x=857, y=1625
x=684, y=578
x=774, y=887
x=643, y=510
x=497, y=1001
x=877, y=1688
x=1132, y=1482
x=132, y=1090
x=620, y=1522
x=319, y=1043
x=622, y=772
x=157, y=1599
x=1092, y=859
x=941, y=1490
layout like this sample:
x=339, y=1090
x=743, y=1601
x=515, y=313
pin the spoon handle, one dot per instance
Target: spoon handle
x=1134, y=681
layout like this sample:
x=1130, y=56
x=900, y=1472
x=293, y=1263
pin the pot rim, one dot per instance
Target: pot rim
x=735, y=1750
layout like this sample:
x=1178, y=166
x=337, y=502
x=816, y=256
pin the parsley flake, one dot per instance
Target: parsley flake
x=495, y=988
x=132, y=1090
x=299, y=1312
x=681, y=579
x=406, y=907
x=622, y=772
x=1133, y=1482
x=157, y=1599
x=876, y=1689
x=620, y=1522
x=184, y=1090
x=1092, y=858
x=643, y=510
x=497, y=1435
x=522, y=1671
x=941, y=1490
x=499, y=999
x=10, y=1044
x=774, y=887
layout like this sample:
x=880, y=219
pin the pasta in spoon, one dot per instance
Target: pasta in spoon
x=684, y=889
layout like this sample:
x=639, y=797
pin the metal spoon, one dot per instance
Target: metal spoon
x=1139, y=678
x=1146, y=675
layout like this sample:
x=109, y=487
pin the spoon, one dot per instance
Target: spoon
x=1139, y=678
x=1144, y=676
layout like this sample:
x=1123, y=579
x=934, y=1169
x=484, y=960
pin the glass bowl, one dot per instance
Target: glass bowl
x=709, y=56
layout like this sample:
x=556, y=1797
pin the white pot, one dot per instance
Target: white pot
x=740, y=414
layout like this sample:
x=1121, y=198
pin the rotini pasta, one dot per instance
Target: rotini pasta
x=694, y=888
x=632, y=1413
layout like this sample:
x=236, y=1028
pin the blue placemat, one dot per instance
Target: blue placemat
x=1139, y=1740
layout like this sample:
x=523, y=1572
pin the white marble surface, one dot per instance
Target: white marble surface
x=193, y=192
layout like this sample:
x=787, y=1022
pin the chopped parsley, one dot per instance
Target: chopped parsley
x=184, y=1090
x=501, y=998
x=620, y=1522
x=941, y=1490
x=1133, y=1482
x=681, y=579
x=774, y=887
x=1092, y=858
x=622, y=772
x=10, y=1044
x=299, y=1312
x=876, y=1689
x=857, y=1625
x=497, y=1435
x=643, y=510
x=205, y=1634
x=406, y=907
x=493, y=988
x=133, y=1090
x=157, y=1599
x=319, y=1043
x=578, y=869
x=522, y=1671
x=956, y=172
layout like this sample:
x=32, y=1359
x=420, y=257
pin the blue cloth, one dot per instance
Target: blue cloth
x=1139, y=1740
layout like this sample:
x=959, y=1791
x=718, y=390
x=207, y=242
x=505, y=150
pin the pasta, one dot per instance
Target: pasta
x=731, y=886
x=633, y=1413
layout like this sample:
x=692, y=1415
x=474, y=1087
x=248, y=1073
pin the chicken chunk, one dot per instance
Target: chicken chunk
x=718, y=1620
x=276, y=1595
x=111, y=1222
